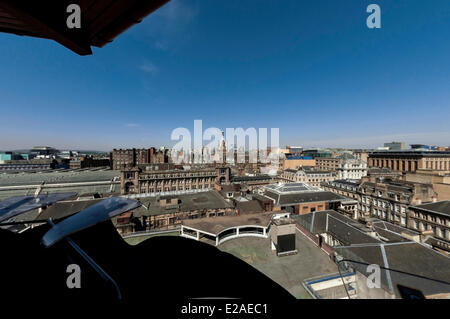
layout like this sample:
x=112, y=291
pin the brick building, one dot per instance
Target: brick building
x=140, y=180
x=168, y=211
x=85, y=162
x=133, y=157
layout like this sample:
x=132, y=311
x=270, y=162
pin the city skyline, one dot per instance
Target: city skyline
x=277, y=151
x=314, y=70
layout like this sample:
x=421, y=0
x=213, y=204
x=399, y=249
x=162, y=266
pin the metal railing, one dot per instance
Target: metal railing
x=167, y=229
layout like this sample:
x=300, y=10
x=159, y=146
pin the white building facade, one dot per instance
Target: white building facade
x=352, y=169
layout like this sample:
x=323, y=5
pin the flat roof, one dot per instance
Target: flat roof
x=57, y=176
x=409, y=153
x=186, y=202
x=216, y=225
x=304, y=197
x=79, y=181
x=235, y=179
x=289, y=271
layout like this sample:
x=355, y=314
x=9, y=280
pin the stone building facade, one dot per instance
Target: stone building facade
x=346, y=166
x=168, y=211
x=328, y=163
x=411, y=161
x=347, y=188
x=433, y=218
x=352, y=169
x=309, y=176
x=390, y=200
x=138, y=180
x=386, y=200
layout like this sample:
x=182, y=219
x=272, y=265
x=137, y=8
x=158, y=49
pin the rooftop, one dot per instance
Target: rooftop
x=296, y=193
x=80, y=181
x=186, y=202
x=402, y=186
x=350, y=182
x=250, y=206
x=409, y=260
x=288, y=271
x=442, y=207
x=346, y=229
x=409, y=153
x=57, y=176
x=218, y=224
x=290, y=188
x=67, y=208
x=394, y=251
x=238, y=179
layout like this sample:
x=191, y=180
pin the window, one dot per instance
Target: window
x=129, y=175
x=403, y=220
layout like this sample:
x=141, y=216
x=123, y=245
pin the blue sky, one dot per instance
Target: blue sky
x=311, y=68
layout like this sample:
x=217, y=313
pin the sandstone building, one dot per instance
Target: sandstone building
x=141, y=180
x=411, y=161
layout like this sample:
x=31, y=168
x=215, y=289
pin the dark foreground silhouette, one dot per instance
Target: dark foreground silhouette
x=160, y=268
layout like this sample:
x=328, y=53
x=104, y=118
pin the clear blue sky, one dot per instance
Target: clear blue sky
x=311, y=68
